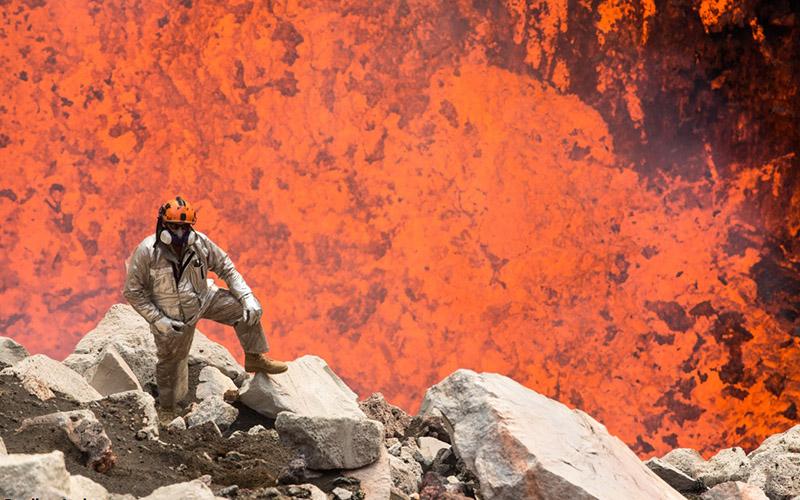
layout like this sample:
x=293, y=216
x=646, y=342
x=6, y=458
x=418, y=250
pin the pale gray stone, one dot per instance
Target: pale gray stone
x=734, y=490
x=3, y=450
x=521, y=444
x=11, y=352
x=428, y=448
x=83, y=487
x=788, y=440
x=673, y=476
x=113, y=374
x=331, y=442
x=256, y=429
x=776, y=472
x=309, y=387
x=376, y=478
x=177, y=424
x=191, y=490
x=42, y=476
x=340, y=493
x=406, y=472
x=213, y=383
x=684, y=459
x=730, y=464
x=206, y=352
x=145, y=405
x=212, y=409
x=56, y=376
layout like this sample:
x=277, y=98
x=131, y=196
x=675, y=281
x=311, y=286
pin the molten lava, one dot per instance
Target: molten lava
x=600, y=202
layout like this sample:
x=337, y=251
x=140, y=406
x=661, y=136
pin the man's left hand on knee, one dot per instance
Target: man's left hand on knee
x=251, y=309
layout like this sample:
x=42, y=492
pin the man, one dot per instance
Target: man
x=167, y=284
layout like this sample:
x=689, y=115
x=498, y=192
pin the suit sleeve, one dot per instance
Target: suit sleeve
x=221, y=264
x=137, y=291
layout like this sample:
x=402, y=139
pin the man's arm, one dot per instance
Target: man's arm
x=221, y=264
x=136, y=290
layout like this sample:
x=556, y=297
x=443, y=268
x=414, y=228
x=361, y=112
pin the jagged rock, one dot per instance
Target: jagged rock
x=84, y=431
x=256, y=429
x=113, y=374
x=521, y=444
x=341, y=494
x=309, y=387
x=11, y=352
x=406, y=472
x=177, y=424
x=376, y=478
x=788, y=440
x=673, y=476
x=55, y=376
x=730, y=464
x=212, y=409
x=36, y=387
x=83, y=487
x=129, y=334
x=734, y=490
x=445, y=463
x=297, y=472
x=331, y=442
x=145, y=405
x=213, y=383
x=395, y=421
x=431, y=425
x=192, y=490
x=776, y=472
x=428, y=449
x=684, y=459
x=42, y=476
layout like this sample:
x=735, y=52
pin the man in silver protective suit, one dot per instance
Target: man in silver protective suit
x=167, y=284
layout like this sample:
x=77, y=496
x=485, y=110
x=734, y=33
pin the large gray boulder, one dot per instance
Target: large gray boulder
x=214, y=383
x=34, y=476
x=775, y=464
x=309, y=387
x=11, y=352
x=55, y=376
x=129, y=334
x=521, y=444
x=317, y=413
x=685, y=460
x=196, y=489
x=331, y=442
x=212, y=409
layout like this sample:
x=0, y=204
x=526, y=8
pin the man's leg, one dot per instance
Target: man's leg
x=172, y=367
x=225, y=309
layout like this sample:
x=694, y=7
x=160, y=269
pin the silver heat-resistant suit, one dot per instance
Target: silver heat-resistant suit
x=152, y=289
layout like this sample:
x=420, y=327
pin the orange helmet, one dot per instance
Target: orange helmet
x=177, y=210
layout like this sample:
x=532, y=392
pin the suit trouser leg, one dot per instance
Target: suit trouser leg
x=225, y=309
x=172, y=367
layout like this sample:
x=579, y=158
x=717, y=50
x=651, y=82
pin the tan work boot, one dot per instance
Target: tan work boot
x=255, y=362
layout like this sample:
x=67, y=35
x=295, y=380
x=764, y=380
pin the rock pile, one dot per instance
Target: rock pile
x=305, y=434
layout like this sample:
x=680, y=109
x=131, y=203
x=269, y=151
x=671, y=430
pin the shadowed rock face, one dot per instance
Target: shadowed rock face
x=597, y=199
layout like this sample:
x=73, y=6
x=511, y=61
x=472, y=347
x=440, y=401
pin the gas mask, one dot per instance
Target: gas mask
x=185, y=235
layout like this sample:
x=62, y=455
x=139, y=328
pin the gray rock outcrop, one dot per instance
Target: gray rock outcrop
x=11, y=352
x=113, y=374
x=55, y=376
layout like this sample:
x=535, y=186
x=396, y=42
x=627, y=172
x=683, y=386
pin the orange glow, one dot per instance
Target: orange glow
x=409, y=188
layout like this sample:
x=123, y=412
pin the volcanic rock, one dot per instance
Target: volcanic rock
x=145, y=405
x=406, y=472
x=11, y=352
x=684, y=459
x=212, y=409
x=214, y=383
x=309, y=387
x=113, y=374
x=521, y=444
x=431, y=425
x=730, y=464
x=195, y=490
x=376, y=478
x=673, y=476
x=41, y=476
x=428, y=449
x=395, y=421
x=55, y=376
x=331, y=442
x=734, y=490
x=83, y=487
x=177, y=424
x=777, y=473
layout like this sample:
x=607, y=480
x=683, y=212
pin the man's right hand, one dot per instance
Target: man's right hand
x=168, y=326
